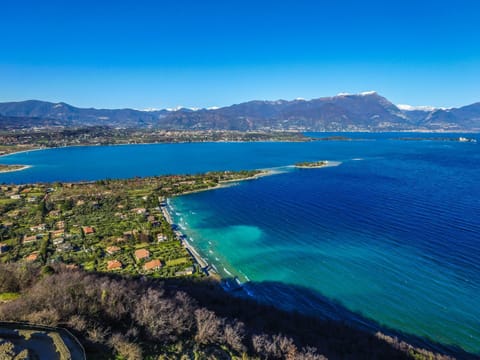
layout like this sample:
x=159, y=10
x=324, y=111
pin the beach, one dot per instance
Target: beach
x=23, y=151
x=201, y=262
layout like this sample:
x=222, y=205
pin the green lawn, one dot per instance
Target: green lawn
x=178, y=261
x=7, y=201
x=9, y=296
x=89, y=266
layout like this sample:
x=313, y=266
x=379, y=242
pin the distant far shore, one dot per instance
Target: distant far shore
x=22, y=144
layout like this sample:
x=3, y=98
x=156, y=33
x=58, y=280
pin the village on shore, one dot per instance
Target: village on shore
x=120, y=226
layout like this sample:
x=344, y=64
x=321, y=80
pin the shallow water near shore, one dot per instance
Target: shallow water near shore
x=392, y=233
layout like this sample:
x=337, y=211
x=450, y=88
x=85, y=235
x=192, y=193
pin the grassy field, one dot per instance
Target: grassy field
x=9, y=296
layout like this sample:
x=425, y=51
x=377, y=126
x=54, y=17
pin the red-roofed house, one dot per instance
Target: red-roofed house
x=87, y=230
x=40, y=227
x=152, y=265
x=72, y=266
x=57, y=233
x=114, y=265
x=32, y=256
x=142, y=254
x=112, y=250
x=29, y=239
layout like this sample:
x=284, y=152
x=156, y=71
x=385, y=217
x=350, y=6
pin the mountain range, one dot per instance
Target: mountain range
x=367, y=111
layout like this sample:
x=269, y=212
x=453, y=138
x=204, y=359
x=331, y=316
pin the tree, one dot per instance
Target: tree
x=234, y=335
x=209, y=327
x=124, y=348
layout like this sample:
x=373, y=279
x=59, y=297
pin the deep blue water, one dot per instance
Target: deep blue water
x=391, y=234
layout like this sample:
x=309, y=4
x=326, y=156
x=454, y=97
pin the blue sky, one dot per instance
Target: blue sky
x=156, y=54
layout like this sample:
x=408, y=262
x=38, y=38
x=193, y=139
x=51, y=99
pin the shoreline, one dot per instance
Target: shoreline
x=23, y=167
x=308, y=138
x=25, y=151
x=197, y=259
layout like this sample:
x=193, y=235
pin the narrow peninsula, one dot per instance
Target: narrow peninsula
x=9, y=168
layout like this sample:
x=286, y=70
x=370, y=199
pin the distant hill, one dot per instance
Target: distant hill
x=69, y=115
x=345, y=112
x=25, y=122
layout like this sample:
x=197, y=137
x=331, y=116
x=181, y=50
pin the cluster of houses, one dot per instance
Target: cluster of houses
x=57, y=236
x=64, y=239
x=141, y=256
x=17, y=192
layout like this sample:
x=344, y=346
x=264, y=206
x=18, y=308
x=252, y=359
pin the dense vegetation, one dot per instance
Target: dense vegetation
x=135, y=318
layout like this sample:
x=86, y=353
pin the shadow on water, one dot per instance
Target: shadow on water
x=313, y=318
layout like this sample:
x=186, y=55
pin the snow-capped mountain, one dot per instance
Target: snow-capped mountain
x=366, y=111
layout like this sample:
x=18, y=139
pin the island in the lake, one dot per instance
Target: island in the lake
x=311, y=164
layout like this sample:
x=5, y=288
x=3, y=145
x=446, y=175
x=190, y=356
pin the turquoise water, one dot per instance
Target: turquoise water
x=391, y=235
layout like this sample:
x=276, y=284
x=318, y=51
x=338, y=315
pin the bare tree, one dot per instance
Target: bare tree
x=234, y=335
x=124, y=348
x=209, y=327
